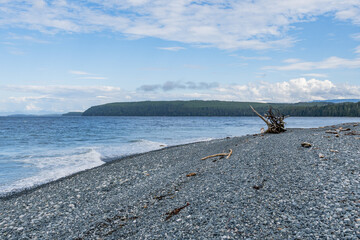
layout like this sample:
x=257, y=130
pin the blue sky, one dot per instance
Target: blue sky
x=59, y=56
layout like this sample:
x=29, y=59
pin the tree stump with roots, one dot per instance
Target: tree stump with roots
x=274, y=120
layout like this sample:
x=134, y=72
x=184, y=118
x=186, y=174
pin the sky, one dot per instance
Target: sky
x=60, y=56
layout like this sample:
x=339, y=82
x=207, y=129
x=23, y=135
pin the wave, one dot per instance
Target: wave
x=52, y=165
x=112, y=152
x=50, y=168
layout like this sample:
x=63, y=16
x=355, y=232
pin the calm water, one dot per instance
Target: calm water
x=35, y=150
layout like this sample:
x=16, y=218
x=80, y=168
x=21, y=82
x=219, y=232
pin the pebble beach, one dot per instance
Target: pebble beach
x=272, y=186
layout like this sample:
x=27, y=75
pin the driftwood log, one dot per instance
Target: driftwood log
x=274, y=120
x=219, y=154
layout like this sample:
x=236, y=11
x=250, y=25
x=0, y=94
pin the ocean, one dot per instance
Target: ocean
x=37, y=150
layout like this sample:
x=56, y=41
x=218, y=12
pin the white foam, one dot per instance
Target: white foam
x=61, y=163
x=140, y=146
x=52, y=168
x=133, y=147
x=191, y=140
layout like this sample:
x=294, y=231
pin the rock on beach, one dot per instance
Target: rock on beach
x=271, y=187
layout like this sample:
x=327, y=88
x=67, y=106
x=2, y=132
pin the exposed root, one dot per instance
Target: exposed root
x=274, y=121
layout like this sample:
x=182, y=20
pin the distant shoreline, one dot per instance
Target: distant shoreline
x=222, y=108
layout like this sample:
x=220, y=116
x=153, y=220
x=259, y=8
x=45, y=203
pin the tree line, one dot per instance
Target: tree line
x=221, y=108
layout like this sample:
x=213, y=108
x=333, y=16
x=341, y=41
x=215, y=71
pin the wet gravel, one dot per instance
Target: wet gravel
x=271, y=187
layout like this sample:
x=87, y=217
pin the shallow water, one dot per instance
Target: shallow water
x=36, y=150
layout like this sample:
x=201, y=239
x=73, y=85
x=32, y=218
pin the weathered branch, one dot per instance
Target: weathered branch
x=219, y=154
x=267, y=123
x=229, y=154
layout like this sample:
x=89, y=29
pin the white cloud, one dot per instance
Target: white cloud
x=172, y=85
x=291, y=60
x=32, y=107
x=294, y=90
x=32, y=98
x=316, y=75
x=63, y=90
x=86, y=75
x=76, y=72
x=13, y=36
x=93, y=78
x=59, y=98
x=221, y=23
x=174, y=49
x=357, y=49
x=329, y=63
x=15, y=51
x=8, y=43
x=356, y=36
x=260, y=58
x=350, y=13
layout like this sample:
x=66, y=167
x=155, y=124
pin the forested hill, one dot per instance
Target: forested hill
x=220, y=108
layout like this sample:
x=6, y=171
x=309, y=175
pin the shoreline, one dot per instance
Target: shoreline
x=129, y=197
x=19, y=192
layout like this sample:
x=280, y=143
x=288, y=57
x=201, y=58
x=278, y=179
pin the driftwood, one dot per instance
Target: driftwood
x=331, y=131
x=229, y=154
x=175, y=211
x=219, y=154
x=352, y=133
x=274, y=121
x=191, y=174
x=306, y=145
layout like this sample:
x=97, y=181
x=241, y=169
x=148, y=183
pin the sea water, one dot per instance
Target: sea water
x=36, y=150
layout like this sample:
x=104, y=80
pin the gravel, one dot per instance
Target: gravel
x=271, y=187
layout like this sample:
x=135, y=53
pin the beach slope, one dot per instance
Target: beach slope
x=271, y=187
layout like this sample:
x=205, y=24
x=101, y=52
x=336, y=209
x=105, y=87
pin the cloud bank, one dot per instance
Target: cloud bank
x=223, y=24
x=79, y=98
x=294, y=90
x=329, y=63
x=86, y=75
x=171, y=85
